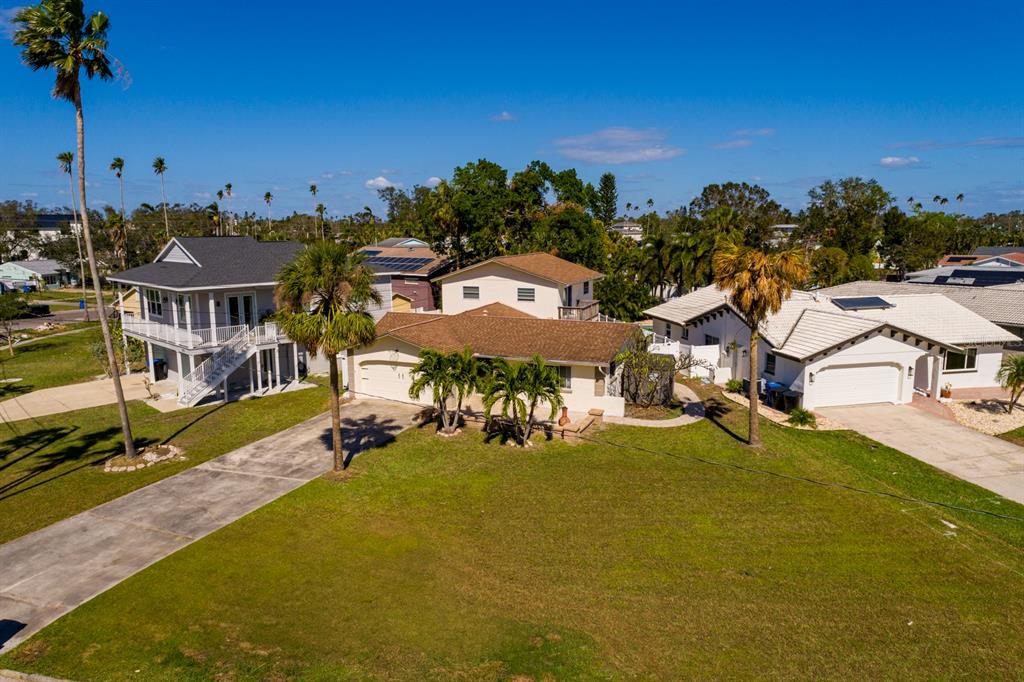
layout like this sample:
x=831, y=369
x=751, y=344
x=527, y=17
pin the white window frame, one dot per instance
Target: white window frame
x=154, y=303
x=470, y=293
x=684, y=333
x=970, y=354
x=564, y=377
x=183, y=310
x=526, y=294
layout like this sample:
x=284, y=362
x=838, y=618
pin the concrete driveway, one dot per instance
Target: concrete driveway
x=984, y=460
x=47, y=573
x=71, y=397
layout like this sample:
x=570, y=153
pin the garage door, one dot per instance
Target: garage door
x=856, y=385
x=385, y=380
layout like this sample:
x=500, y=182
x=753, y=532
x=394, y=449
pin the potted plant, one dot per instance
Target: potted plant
x=947, y=390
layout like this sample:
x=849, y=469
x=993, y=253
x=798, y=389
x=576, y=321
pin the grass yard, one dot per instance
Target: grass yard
x=1015, y=436
x=440, y=559
x=52, y=361
x=52, y=467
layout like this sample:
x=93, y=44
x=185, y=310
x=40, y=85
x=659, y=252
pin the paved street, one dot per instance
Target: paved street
x=51, y=571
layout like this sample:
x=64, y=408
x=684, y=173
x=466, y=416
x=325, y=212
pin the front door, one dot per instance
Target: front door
x=241, y=310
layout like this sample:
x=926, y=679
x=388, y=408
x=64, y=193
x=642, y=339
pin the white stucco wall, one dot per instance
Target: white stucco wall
x=984, y=374
x=876, y=350
x=498, y=285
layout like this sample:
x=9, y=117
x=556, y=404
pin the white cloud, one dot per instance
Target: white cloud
x=733, y=144
x=433, y=181
x=755, y=132
x=503, y=117
x=619, y=145
x=984, y=142
x=202, y=195
x=30, y=195
x=899, y=161
x=389, y=171
x=380, y=182
x=7, y=26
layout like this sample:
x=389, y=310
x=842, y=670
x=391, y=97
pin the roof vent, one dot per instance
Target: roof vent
x=862, y=303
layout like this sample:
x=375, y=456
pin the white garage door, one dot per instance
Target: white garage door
x=385, y=380
x=856, y=385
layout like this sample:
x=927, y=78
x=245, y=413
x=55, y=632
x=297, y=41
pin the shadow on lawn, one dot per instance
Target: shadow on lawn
x=715, y=411
x=361, y=434
x=192, y=423
x=91, y=449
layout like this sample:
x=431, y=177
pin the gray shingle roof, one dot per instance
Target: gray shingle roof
x=40, y=266
x=996, y=250
x=223, y=262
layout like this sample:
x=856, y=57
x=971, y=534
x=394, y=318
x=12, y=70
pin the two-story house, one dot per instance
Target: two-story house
x=404, y=269
x=539, y=284
x=204, y=303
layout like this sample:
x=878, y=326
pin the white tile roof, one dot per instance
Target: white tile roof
x=1002, y=304
x=810, y=322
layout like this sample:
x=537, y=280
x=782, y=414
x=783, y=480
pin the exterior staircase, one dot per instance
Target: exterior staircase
x=213, y=370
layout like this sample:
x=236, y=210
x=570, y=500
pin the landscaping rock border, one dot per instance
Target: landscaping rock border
x=147, y=458
x=781, y=418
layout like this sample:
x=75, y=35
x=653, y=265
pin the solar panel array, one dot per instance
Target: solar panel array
x=397, y=263
x=861, y=303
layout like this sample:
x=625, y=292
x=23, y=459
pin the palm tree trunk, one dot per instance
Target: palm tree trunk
x=163, y=195
x=124, y=229
x=108, y=341
x=78, y=242
x=339, y=455
x=754, y=437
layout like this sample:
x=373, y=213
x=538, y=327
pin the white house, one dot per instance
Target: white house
x=539, y=284
x=42, y=273
x=204, y=304
x=583, y=352
x=843, y=350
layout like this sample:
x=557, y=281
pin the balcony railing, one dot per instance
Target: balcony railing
x=195, y=338
x=581, y=313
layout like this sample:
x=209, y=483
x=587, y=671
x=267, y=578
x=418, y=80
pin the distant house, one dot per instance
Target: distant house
x=404, y=269
x=539, y=284
x=842, y=350
x=29, y=232
x=781, y=234
x=628, y=229
x=43, y=273
x=977, y=270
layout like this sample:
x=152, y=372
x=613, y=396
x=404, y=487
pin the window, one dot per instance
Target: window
x=471, y=293
x=668, y=330
x=181, y=307
x=586, y=287
x=526, y=294
x=564, y=377
x=769, y=363
x=684, y=333
x=153, y=304
x=960, y=362
x=710, y=340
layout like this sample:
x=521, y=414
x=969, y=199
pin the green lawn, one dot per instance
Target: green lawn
x=440, y=559
x=52, y=467
x=1015, y=436
x=53, y=361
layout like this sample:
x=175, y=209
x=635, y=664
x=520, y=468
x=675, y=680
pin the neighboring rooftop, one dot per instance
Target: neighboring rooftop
x=996, y=250
x=543, y=265
x=41, y=266
x=205, y=262
x=968, y=275
x=39, y=221
x=405, y=256
x=489, y=333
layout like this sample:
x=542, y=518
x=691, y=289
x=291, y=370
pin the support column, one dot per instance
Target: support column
x=213, y=318
x=224, y=389
x=259, y=370
x=149, y=361
x=295, y=361
x=174, y=317
x=188, y=320
x=181, y=374
x=124, y=337
x=252, y=385
x=277, y=365
x=143, y=304
x=191, y=363
x=936, y=366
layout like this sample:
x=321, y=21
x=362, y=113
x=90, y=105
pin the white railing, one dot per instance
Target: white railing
x=206, y=337
x=214, y=368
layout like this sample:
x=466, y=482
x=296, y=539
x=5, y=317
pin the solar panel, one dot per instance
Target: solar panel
x=861, y=303
x=397, y=263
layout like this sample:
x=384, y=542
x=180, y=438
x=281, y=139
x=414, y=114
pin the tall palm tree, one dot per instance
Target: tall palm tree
x=960, y=198
x=117, y=165
x=320, y=210
x=227, y=190
x=160, y=167
x=268, y=197
x=313, y=191
x=757, y=283
x=1011, y=377
x=220, y=220
x=56, y=34
x=66, y=161
x=323, y=296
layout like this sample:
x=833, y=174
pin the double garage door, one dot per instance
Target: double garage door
x=856, y=385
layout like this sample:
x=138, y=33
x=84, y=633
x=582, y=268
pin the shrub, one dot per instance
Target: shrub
x=734, y=385
x=801, y=417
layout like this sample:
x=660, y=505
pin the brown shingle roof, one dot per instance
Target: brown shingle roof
x=544, y=265
x=497, y=310
x=510, y=337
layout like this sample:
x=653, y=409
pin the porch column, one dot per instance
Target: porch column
x=191, y=363
x=252, y=385
x=143, y=304
x=224, y=389
x=277, y=365
x=188, y=320
x=149, y=361
x=124, y=337
x=174, y=317
x=259, y=370
x=213, y=318
x=181, y=374
x=936, y=366
x=295, y=361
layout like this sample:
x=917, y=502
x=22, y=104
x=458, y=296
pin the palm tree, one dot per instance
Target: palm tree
x=542, y=385
x=227, y=190
x=313, y=191
x=960, y=198
x=322, y=299
x=220, y=198
x=465, y=371
x=117, y=165
x=1011, y=377
x=434, y=370
x=160, y=167
x=268, y=197
x=519, y=387
x=757, y=283
x=66, y=160
x=320, y=210
x=56, y=34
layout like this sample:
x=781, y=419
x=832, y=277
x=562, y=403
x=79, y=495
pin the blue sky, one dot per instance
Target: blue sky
x=926, y=97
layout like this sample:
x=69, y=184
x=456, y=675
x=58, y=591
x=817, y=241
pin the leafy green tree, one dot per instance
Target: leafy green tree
x=861, y=267
x=1011, y=377
x=323, y=296
x=754, y=211
x=572, y=235
x=607, y=206
x=13, y=306
x=160, y=167
x=828, y=266
x=846, y=214
x=757, y=284
x=56, y=34
x=479, y=200
x=916, y=242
